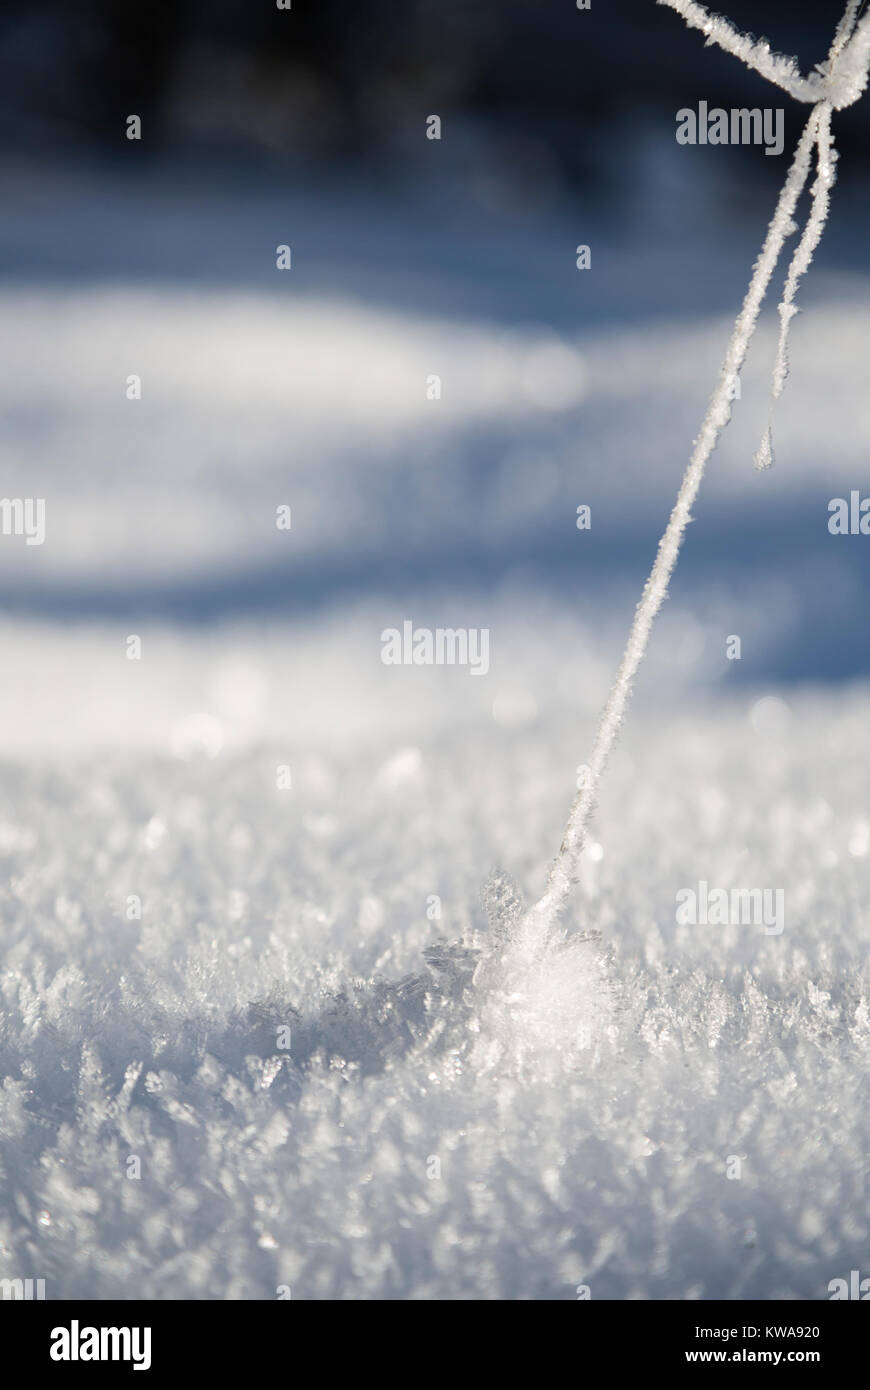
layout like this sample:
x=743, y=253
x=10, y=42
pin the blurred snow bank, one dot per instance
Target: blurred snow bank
x=166, y=507
x=251, y=401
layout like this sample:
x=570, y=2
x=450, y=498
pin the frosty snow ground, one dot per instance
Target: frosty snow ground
x=581, y=1130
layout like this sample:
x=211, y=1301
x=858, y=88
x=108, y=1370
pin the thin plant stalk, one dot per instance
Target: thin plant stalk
x=850, y=52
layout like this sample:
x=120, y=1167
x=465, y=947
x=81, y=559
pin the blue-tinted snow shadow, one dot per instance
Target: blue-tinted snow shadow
x=730, y=557
x=455, y=261
x=424, y=248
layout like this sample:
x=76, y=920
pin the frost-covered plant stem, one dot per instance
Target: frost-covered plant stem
x=849, y=55
x=833, y=92
x=810, y=239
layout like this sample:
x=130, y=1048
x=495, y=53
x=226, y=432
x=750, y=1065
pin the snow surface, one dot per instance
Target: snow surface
x=451, y=1120
x=582, y=1111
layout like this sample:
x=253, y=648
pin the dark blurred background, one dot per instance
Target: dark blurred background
x=549, y=87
